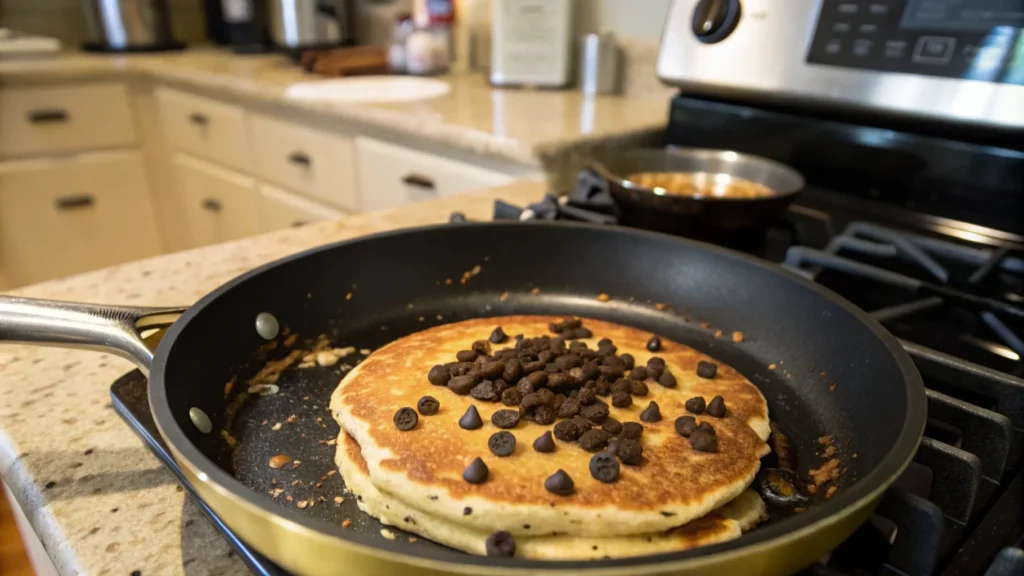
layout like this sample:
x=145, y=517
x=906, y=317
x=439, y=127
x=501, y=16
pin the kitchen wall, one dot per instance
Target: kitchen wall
x=634, y=20
x=65, y=19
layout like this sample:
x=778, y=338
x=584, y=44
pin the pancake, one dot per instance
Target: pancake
x=423, y=467
x=726, y=523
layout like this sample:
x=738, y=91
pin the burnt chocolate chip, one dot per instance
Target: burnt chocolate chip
x=609, y=372
x=582, y=423
x=630, y=452
x=707, y=369
x=686, y=425
x=632, y=430
x=524, y=386
x=696, y=405
x=513, y=370
x=439, y=375
x=596, y=413
x=559, y=483
x=459, y=368
x=535, y=366
x=462, y=385
x=604, y=467
x=492, y=370
x=481, y=347
x=628, y=361
x=638, y=373
x=622, y=400
x=561, y=381
x=613, y=446
x=531, y=401
x=476, y=472
x=544, y=415
x=547, y=396
x=654, y=344
x=567, y=431
x=593, y=440
x=500, y=544
x=612, y=426
x=716, y=407
x=484, y=391
x=590, y=371
x=603, y=388
x=500, y=386
x=652, y=413
x=544, y=443
x=428, y=405
x=701, y=441
x=502, y=443
x=707, y=427
x=498, y=336
x=507, y=418
x=538, y=379
x=639, y=389
x=667, y=380
x=471, y=419
x=511, y=397
x=586, y=397
x=466, y=355
x=405, y=419
x=568, y=361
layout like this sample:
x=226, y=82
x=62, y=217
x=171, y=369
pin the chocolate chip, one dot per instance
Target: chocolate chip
x=655, y=367
x=559, y=483
x=513, y=370
x=628, y=360
x=535, y=366
x=603, y=388
x=544, y=415
x=569, y=408
x=567, y=431
x=586, y=397
x=476, y=472
x=590, y=371
x=467, y=511
x=465, y=355
x=568, y=361
x=498, y=336
x=500, y=386
x=703, y=441
x=622, y=400
x=582, y=332
x=610, y=372
x=630, y=452
x=462, y=385
x=525, y=387
x=622, y=385
x=502, y=443
x=538, y=379
x=507, y=418
x=613, y=446
x=531, y=401
x=428, y=405
x=582, y=423
x=593, y=440
x=544, y=443
x=654, y=344
x=667, y=380
x=511, y=397
x=652, y=413
x=716, y=407
x=612, y=426
x=481, y=347
x=565, y=324
x=707, y=427
x=459, y=368
x=547, y=396
x=492, y=370
x=561, y=381
x=604, y=467
x=559, y=400
x=439, y=375
x=639, y=389
x=484, y=391
x=686, y=425
x=632, y=430
x=500, y=544
x=405, y=419
x=596, y=413
x=638, y=373
x=471, y=419
x=696, y=405
x=707, y=369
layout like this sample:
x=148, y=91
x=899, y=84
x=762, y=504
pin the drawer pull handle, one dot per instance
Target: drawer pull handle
x=75, y=202
x=300, y=158
x=419, y=181
x=211, y=205
x=48, y=115
x=198, y=119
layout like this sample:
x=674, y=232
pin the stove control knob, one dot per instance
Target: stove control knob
x=714, y=20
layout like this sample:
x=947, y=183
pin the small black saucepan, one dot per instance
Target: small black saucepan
x=713, y=208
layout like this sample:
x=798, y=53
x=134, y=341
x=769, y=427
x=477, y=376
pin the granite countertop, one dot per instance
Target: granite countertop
x=100, y=502
x=523, y=126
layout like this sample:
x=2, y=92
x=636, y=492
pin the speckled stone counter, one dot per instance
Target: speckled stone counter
x=100, y=502
x=541, y=128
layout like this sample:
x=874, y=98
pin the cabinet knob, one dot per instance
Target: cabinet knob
x=211, y=205
x=75, y=202
x=300, y=158
x=419, y=181
x=47, y=115
x=198, y=119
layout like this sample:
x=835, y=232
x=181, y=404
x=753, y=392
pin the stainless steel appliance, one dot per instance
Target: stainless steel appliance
x=302, y=24
x=128, y=26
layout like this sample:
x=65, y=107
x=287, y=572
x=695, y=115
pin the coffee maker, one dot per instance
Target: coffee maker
x=297, y=25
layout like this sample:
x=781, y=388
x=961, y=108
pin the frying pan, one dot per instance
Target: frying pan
x=875, y=412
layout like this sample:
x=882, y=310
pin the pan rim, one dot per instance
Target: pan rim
x=870, y=486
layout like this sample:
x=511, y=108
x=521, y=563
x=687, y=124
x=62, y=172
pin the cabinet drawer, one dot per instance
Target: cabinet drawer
x=68, y=215
x=215, y=204
x=67, y=117
x=305, y=160
x=281, y=209
x=391, y=175
x=204, y=127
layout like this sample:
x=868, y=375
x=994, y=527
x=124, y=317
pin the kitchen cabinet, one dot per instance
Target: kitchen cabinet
x=391, y=175
x=206, y=128
x=215, y=204
x=60, y=216
x=281, y=209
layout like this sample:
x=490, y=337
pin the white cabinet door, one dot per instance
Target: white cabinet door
x=392, y=175
x=215, y=204
x=61, y=216
x=206, y=128
x=282, y=209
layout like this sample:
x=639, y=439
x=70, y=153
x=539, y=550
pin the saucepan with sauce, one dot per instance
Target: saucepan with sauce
x=696, y=192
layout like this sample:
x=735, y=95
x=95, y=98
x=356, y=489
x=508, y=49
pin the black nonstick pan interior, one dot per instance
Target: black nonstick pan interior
x=833, y=373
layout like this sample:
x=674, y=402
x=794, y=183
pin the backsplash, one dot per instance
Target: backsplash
x=65, y=19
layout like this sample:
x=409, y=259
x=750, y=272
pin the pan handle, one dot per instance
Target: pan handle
x=120, y=330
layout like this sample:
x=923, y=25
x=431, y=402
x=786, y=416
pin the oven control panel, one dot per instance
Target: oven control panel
x=969, y=39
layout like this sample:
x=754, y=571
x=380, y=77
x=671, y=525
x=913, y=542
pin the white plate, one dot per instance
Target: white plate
x=369, y=89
